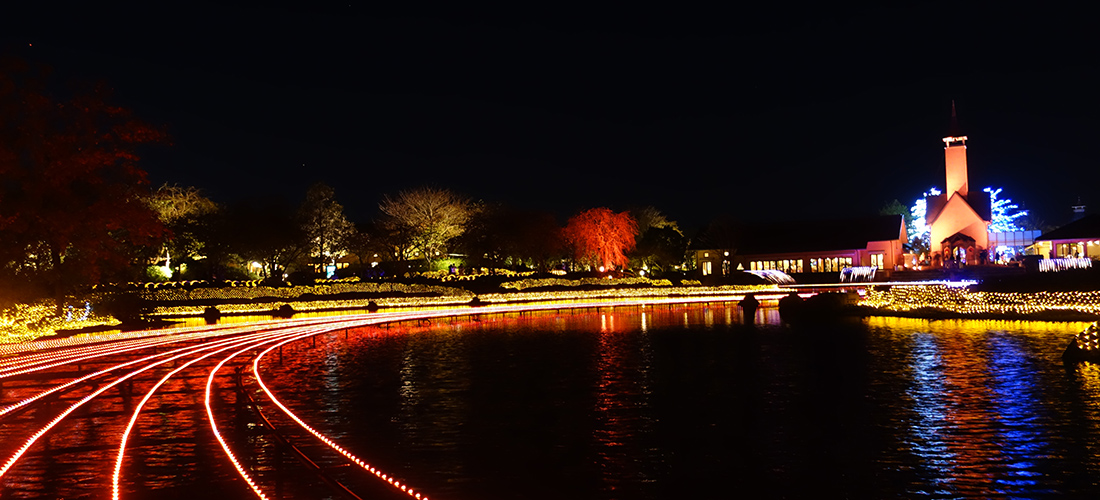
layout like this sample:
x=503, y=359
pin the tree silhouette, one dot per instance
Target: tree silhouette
x=263, y=230
x=72, y=196
x=601, y=237
x=661, y=245
x=500, y=235
x=324, y=224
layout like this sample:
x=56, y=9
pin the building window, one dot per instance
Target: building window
x=707, y=268
x=878, y=259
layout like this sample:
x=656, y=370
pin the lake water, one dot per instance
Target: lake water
x=687, y=401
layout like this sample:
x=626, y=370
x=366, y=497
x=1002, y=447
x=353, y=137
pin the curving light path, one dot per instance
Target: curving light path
x=68, y=421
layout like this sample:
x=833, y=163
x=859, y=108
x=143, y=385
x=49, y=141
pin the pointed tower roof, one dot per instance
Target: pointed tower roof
x=954, y=132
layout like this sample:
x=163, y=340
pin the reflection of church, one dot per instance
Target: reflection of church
x=959, y=222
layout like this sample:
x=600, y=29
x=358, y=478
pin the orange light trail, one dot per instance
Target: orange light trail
x=195, y=344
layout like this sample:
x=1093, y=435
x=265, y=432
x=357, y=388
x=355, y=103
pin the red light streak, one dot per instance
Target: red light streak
x=200, y=343
x=224, y=346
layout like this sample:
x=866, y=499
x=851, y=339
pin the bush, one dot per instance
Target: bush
x=158, y=273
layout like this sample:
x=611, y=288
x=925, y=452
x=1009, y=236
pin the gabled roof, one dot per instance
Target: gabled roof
x=1085, y=228
x=982, y=207
x=958, y=237
x=819, y=236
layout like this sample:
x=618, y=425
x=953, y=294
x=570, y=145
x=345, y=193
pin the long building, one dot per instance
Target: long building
x=810, y=246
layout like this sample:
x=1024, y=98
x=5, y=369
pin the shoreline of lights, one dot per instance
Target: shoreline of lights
x=458, y=301
x=960, y=300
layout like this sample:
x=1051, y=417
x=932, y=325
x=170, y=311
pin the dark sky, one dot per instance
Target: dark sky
x=773, y=112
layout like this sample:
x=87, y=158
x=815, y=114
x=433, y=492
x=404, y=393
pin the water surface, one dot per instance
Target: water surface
x=676, y=401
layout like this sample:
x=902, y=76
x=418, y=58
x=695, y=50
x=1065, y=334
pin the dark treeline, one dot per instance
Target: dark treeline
x=76, y=208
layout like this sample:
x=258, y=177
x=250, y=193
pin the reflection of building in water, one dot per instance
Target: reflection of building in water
x=974, y=404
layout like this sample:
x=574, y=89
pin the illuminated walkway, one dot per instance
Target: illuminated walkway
x=71, y=409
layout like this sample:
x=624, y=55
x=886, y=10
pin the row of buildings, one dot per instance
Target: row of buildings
x=960, y=235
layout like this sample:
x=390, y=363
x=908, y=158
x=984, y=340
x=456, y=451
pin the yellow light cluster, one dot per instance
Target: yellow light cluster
x=27, y=322
x=960, y=300
x=452, y=300
x=473, y=274
x=533, y=283
x=289, y=293
x=24, y=322
x=1089, y=338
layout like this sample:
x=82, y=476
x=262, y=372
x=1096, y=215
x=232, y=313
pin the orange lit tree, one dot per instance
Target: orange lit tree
x=600, y=237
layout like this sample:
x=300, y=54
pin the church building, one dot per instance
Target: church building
x=959, y=219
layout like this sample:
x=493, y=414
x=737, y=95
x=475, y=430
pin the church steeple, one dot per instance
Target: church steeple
x=954, y=150
x=954, y=132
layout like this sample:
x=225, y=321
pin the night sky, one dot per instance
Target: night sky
x=764, y=113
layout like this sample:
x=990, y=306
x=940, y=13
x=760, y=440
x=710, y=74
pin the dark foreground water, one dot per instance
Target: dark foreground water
x=676, y=402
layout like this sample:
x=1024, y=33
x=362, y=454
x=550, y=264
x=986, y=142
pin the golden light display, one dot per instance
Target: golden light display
x=960, y=300
x=1088, y=340
x=25, y=322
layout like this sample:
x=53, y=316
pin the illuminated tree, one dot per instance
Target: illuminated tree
x=426, y=219
x=1005, y=214
x=183, y=211
x=601, y=237
x=173, y=203
x=650, y=217
x=323, y=222
x=919, y=230
x=72, y=196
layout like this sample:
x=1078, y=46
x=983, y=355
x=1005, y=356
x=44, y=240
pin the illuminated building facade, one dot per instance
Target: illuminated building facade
x=1078, y=239
x=959, y=222
x=812, y=247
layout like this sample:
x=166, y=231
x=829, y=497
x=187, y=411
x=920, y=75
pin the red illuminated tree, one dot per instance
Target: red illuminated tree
x=72, y=197
x=601, y=237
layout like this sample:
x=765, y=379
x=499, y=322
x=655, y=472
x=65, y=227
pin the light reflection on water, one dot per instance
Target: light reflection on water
x=672, y=401
x=651, y=402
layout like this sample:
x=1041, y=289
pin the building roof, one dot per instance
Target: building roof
x=982, y=206
x=953, y=129
x=819, y=236
x=1085, y=228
